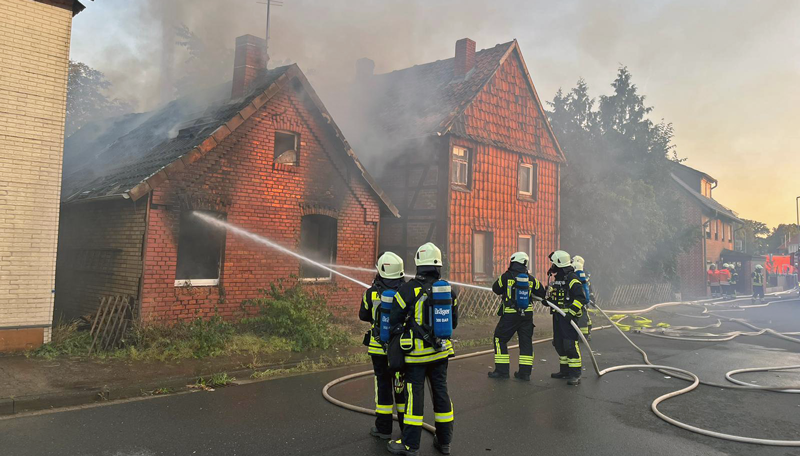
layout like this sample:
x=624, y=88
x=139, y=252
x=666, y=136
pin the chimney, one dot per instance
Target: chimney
x=249, y=63
x=365, y=68
x=465, y=57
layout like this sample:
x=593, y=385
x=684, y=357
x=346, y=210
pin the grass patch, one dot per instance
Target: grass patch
x=310, y=365
x=66, y=340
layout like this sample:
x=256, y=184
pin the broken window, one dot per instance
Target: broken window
x=525, y=243
x=460, y=173
x=200, y=248
x=317, y=242
x=285, y=148
x=527, y=180
x=482, y=254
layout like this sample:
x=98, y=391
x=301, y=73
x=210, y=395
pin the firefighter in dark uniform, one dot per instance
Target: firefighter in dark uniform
x=390, y=277
x=585, y=322
x=427, y=357
x=566, y=292
x=514, y=319
x=758, y=283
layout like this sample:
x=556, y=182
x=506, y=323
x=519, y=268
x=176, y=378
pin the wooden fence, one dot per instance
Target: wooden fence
x=474, y=303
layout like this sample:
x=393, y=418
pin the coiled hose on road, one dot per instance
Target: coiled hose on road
x=674, y=371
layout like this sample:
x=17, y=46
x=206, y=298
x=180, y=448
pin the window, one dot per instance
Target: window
x=317, y=242
x=717, y=229
x=708, y=229
x=285, y=148
x=460, y=175
x=482, y=254
x=200, y=247
x=528, y=180
x=526, y=244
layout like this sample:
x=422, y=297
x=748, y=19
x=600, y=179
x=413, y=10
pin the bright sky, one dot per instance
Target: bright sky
x=725, y=73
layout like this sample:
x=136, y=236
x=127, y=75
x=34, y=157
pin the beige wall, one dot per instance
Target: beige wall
x=34, y=56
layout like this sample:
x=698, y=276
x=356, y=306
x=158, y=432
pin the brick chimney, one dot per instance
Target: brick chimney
x=365, y=69
x=465, y=57
x=249, y=63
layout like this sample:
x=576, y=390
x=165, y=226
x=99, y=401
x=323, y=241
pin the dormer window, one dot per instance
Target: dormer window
x=286, y=148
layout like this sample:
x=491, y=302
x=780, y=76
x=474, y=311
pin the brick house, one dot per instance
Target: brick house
x=34, y=45
x=468, y=156
x=264, y=154
x=719, y=225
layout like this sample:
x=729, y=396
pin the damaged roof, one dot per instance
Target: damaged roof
x=128, y=156
x=427, y=100
x=708, y=203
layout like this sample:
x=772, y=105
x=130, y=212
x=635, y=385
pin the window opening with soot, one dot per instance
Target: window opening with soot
x=200, y=250
x=317, y=242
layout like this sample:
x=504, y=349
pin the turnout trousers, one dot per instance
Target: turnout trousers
x=585, y=322
x=436, y=374
x=758, y=291
x=386, y=396
x=565, y=341
x=509, y=324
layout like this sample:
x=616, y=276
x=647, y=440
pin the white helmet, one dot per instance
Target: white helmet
x=428, y=255
x=577, y=262
x=521, y=258
x=759, y=267
x=560, y=258
x=390, y=266
x=726, y=265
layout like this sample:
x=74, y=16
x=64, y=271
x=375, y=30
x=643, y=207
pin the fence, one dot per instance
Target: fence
x=638, y=295
x=474, y=303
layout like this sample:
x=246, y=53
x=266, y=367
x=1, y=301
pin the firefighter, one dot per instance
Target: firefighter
x=585, y=322
x=414, y=306
x=725, y=280
x=713, y=280
x=734, y=279
x=566, y=292
x=758, y=283
x=519, y=289
x=389, y=279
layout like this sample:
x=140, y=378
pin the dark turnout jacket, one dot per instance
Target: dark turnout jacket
x=504, y=286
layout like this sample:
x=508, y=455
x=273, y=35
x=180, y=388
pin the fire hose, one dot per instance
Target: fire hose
x=682, y=374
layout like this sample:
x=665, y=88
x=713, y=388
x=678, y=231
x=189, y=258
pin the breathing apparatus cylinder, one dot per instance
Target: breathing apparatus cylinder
x=442, y=310
x=522, y=292
x=386, y=307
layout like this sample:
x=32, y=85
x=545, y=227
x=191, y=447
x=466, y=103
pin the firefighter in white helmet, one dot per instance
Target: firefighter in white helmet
x=427, y=309
x=519, y=289
x=387, y=281
x=585, y=322
x=758, y=283
x=566, y=292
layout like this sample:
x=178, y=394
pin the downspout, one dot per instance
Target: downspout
x=148, y=201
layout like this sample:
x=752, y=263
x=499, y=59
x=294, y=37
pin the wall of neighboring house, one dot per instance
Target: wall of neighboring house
x=240, y=181
x=691, y=264
x=100, y=247
x=34, y=44
x=720, y=237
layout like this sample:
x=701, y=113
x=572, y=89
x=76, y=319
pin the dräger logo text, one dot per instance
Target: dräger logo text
x=441, y=311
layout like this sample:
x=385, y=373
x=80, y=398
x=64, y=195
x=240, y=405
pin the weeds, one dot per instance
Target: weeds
x=66, y=341
x=310, y=365
x=216, y=381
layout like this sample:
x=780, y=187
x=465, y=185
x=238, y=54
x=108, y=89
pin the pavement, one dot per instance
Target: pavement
x=603, y=416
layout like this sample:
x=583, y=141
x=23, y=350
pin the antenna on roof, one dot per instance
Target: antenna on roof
x=269, y=3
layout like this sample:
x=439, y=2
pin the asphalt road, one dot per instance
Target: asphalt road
x=603, y=416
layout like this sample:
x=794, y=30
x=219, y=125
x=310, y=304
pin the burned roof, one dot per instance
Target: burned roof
x=428, y=100
x=128, y=156
x=709, y=203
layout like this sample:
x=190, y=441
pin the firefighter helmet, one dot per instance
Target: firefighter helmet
x=390, y=266
x=521, y=258
x=759, y=267
x=560, y=259
x=713, y=267
x=428, y=255
x=577, y=262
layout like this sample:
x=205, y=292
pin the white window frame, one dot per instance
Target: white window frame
x=197, y=283
x=530, y=168
x=530, y=250
x=459, y=161
x=296, y=146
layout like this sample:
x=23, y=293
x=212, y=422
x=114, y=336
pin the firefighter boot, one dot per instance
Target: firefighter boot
x=443, y=448
x=563, y=373
x=397, y=447
x=523, y=377
x=573, y=381
x=376, y=433
x=496, y=374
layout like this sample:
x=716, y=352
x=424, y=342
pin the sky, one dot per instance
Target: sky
x=726, y=74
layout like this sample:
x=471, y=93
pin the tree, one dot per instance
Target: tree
x=780, y=234
x=88, y=99
x=755, y=237
x=618, y=200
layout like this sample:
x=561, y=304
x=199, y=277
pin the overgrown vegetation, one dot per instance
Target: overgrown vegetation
x=309, y=365
x=620, y=209
x=284, y=319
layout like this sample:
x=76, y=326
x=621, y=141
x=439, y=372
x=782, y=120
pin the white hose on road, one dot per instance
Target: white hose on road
x=682, y=374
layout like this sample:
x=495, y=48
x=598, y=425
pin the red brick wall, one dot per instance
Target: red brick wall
x=691, y=266
x=99, y=254
x=240, y=179
x=507, y=114
x=493, y=205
